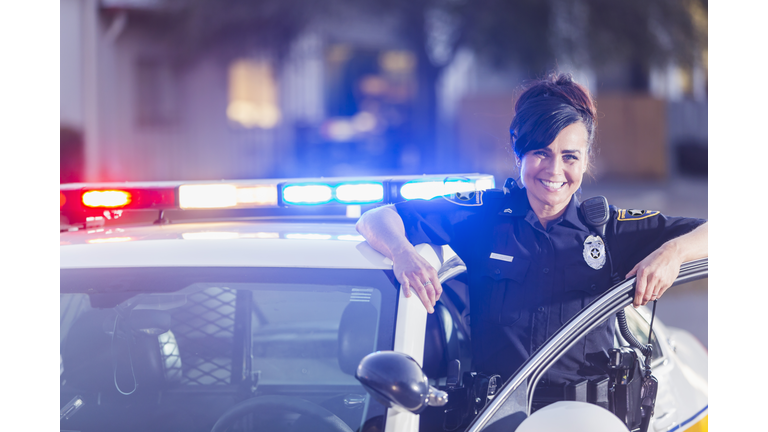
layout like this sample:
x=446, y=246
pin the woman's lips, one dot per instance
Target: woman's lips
x=553, y=186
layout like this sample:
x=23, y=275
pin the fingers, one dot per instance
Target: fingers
x=640, y=288
x=436, y=286
x=417, y=275
x=423, y=294
x=651, y=285
x=405, y=285
x=428, y=291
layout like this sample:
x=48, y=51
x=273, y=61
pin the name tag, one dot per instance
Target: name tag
x=501, y=257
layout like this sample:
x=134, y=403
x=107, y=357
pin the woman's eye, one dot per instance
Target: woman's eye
x=540, y=153
x=571, y=157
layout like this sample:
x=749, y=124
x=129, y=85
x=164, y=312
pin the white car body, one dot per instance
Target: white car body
x=274, y=243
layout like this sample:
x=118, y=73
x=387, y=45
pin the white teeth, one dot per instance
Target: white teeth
x=553, y=185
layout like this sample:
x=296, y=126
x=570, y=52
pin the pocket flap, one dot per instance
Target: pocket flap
x=581, y=277
x=498, y=269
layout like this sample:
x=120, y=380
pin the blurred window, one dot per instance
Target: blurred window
x=156, y=96
x=253, y=99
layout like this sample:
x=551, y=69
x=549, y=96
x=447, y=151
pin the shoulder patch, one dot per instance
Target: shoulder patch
x=466, y=198
x=633, y=214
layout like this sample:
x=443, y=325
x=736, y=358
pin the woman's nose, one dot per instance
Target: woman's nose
x=555, y=166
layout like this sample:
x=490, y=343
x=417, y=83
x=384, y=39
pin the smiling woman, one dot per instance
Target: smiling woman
x=551, y=135
x=533, y=261
x=551, y=175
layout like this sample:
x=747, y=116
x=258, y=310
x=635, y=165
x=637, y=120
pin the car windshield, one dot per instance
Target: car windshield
x=176, y=348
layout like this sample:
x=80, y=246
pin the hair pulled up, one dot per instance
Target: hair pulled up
x=546, y=107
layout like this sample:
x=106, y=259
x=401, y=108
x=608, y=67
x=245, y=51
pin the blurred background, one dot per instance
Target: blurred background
x=228, y=89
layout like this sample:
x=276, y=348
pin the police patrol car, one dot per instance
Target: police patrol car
x=255, y=305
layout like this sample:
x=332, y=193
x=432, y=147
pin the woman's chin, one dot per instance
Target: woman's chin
x=553, y=198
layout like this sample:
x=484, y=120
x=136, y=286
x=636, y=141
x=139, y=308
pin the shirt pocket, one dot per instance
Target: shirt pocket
x=504, y=280
x=584, y=284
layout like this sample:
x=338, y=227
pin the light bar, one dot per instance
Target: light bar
x=354, y=192
x=78, y=201
x=207, y=196
x=307, y=194
x=359, y=193
x=263, y=195
x=106, y=198
x=211, y=196
x=428, y=189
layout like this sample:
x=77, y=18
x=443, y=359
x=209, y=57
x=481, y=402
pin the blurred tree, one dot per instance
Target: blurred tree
x=533, y=35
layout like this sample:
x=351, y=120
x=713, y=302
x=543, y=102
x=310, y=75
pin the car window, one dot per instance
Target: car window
x=188, y=344
x=639, y=327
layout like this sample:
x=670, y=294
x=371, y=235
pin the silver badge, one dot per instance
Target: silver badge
x=594, y=252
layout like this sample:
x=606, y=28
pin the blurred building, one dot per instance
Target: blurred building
x=341, y=102
x=342, y=94
x=651, y=134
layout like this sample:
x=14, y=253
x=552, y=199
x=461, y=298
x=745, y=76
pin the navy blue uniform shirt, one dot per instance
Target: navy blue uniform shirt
x=525, y=280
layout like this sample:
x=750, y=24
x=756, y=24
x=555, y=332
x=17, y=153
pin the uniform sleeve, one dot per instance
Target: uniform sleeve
x=636, y=234
x=439, y=221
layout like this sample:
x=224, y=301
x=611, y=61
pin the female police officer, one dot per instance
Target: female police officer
x=532, y=262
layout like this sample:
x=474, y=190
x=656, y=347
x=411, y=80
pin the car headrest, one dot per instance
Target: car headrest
x=101, y=349
x=357, y=334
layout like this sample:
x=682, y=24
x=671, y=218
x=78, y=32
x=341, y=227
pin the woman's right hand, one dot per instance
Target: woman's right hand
x=383, y=228
x=416, y=274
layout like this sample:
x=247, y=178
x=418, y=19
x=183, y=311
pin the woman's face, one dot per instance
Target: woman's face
x=551, y=175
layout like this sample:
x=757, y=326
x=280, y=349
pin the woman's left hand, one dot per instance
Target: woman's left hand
x=659, y=270
x=655, y=273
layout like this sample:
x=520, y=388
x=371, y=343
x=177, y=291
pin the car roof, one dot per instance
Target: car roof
x=234, y=243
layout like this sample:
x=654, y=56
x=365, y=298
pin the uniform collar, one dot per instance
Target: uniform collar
x=516, y=204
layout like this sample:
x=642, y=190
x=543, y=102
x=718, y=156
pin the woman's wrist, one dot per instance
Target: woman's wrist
x=401, y=251
x=675, y=250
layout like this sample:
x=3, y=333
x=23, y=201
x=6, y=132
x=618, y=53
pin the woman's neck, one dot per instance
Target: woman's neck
x=546, y=213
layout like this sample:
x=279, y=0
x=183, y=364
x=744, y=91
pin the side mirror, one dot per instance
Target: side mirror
x=396, y=380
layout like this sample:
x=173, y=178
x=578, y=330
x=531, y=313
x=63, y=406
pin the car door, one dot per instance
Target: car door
x=513, y=403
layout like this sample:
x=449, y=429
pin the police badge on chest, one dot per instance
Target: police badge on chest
x=594, y=252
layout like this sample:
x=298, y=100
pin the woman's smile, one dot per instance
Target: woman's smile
x=552, y=185
x=551, y=175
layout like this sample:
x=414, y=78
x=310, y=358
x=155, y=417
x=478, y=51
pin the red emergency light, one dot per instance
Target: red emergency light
x=110, y=199
x=78, y=202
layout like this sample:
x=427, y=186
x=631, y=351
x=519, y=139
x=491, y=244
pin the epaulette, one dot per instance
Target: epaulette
x=633, y=214
x=466, y=198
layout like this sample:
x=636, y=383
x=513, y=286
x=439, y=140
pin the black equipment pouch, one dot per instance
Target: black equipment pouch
x=633, y=389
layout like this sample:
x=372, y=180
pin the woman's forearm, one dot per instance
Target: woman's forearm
x=383, y=229
x=693, y=245
x=659, y=270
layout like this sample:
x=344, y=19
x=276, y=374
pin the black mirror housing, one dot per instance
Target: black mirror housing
x=396, y=380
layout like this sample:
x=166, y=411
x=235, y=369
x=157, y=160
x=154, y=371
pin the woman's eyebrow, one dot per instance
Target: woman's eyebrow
x=572, y=151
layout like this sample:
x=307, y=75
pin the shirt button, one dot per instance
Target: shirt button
x=497, y=271
x=546, y=270
x=594, y=287
x=541, y=308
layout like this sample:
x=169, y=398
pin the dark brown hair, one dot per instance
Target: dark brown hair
x=546, y=107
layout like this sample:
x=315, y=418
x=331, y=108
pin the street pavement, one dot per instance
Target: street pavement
x=684, y=306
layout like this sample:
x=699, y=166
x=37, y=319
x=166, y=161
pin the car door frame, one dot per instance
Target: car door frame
x=512, y=404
